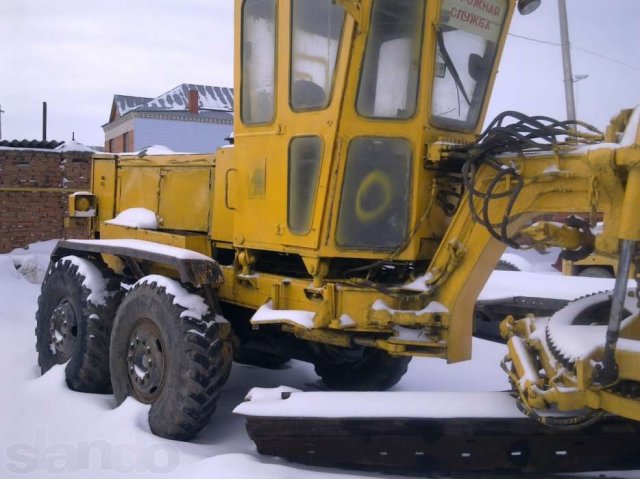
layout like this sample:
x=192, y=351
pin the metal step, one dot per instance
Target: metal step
x=414, y=444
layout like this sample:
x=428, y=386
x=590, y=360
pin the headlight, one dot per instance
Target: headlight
x=82, y=205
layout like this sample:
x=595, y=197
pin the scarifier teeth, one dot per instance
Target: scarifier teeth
x=580, y=306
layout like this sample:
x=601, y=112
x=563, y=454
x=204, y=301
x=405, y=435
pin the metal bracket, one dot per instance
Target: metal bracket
x=354, y=9
x=585, y=250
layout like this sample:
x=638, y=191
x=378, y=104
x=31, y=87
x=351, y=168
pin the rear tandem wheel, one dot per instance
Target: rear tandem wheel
x=164, y=355
x=75, y=313
x=359, y=368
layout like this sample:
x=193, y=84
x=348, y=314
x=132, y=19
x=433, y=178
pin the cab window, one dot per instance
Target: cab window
x=466, y=46
x=258, y=61
x=390, y=73
x=305, y=157
x=316, y=30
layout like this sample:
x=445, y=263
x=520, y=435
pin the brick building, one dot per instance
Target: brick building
x=189, y=118
x=34, y=187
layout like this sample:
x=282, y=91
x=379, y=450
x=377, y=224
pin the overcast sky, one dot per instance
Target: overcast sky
x=76, y=54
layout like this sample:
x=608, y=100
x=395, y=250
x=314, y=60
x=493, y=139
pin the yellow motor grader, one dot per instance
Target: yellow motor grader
x=352, y=224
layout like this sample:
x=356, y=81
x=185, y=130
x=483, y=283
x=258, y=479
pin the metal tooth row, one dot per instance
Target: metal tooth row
x=564, y=360
x=556, y=349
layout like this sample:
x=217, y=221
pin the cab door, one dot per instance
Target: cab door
x=290, y=77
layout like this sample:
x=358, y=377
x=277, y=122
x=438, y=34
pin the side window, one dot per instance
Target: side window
x=390, y=73
x=374, y=213
x=316, y=29
x=258, y=61
x=305, y=157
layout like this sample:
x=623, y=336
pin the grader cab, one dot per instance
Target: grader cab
x=352, y=224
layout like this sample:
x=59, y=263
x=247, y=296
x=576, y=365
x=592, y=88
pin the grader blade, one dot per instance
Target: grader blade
x=430, y=433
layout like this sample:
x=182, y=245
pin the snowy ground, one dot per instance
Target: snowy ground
x=50, y=431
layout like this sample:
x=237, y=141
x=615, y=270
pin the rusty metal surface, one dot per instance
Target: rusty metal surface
x=466, y=447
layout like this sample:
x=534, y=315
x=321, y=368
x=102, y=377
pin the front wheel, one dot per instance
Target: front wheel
x=175, y=358
x=359, y=369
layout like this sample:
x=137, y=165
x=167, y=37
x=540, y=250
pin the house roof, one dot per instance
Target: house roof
x=209, y=99
x=123, y=104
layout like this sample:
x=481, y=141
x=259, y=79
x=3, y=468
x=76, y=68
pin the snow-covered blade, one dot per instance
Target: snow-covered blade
x=428, y=433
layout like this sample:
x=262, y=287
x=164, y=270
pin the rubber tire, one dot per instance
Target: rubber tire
x=259, y=359
x=375, y=371
x=87, y=369
x=249, y=356
x=596, y=272
x=198, y=361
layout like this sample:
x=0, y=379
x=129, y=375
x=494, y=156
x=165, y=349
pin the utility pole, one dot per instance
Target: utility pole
x=1, y=112
x=566, y=61
x=44, y=120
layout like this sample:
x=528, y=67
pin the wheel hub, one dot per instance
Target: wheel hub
x=146, y=361
x=63, y=330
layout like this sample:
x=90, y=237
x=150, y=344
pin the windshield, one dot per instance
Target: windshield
x=467, y=42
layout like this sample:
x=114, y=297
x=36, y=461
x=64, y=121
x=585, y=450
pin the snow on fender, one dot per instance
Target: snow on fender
x=194, y=305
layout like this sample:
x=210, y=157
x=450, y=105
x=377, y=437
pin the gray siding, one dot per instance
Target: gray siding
x=180, y=136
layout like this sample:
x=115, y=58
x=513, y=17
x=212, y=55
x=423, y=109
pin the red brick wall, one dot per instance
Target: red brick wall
x=117, y=145
x=29, y=210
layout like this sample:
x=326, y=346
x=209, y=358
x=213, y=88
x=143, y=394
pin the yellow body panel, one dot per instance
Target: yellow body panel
x=223, y=200
x=138, y=188
x=176, y=188
x=197, y=242
x=103, y=185
x=190, y=188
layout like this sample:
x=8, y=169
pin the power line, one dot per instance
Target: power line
x=582, y=49
x=555, y=44
x=586, y=50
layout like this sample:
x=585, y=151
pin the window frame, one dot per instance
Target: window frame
x=421, y=47
x=409, y=200
x=314, y=198
x=335, y=66
x=464, y=126
x=274, y=115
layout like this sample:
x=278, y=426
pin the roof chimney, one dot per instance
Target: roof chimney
x=193, y=101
